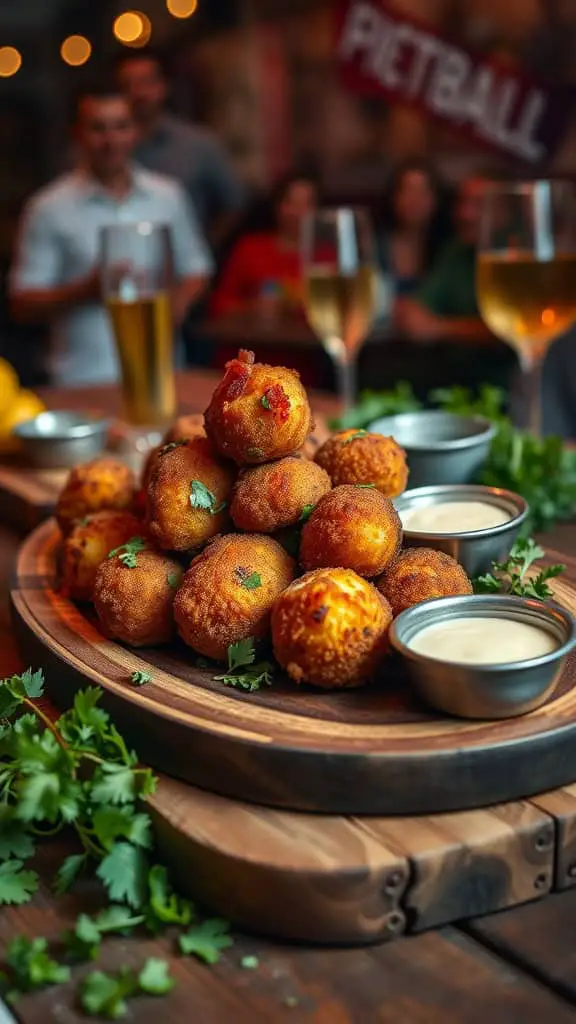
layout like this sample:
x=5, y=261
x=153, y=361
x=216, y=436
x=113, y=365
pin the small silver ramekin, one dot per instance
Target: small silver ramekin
x=484, y=691
x=441, y=447
x=60, y=439
x=476, y=549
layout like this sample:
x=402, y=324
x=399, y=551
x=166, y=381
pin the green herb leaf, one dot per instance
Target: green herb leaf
x=366, y=486
x=354, y=437
x=306, y=513
x=165, y=906
x=15, y=841
x=30, y=965
x=104, y=995
x=252, y=679
x=202, y=498
x=33, y=683
x=124, y=872
x=171, y=446
x=510, y=577
x=111, y=823
x=127, y=552
x=84, y=940
x=207, y=940
x=117, y=918
x=155, y=978
x=265, y=403
x=250, y=963
x=16, y=885
x=375, y=404
x=249, y=580
x=68, y=872
x=241, y=653
x=114, y=784
x=173, y=580
x=140, y=678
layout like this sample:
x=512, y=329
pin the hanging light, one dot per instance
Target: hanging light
x=10, y=61
x=133, y=28
x=181, y=8
x=76, y=50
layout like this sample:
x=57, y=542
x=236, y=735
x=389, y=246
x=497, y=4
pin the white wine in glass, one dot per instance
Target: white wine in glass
x=340, y=287
x=526, y=275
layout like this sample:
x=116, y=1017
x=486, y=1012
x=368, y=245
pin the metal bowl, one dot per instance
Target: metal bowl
x=58, y=440
x=476, y=549
x=441, y=447
x=484, y=691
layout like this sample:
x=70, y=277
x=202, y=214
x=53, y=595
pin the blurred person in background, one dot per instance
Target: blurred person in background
x=167, y=144
x=444, y=311
x=412, y=227
x=55, y=275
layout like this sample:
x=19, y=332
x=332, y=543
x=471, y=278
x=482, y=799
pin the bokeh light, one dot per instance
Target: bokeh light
x=181, y=8
x=10, y=61
x=133, y=28
x=75, y=50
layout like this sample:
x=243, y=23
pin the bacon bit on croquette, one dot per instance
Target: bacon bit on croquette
x=276, y=401
x=237, y=374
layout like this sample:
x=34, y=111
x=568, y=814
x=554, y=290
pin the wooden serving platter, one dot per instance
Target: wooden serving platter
x=371, y=751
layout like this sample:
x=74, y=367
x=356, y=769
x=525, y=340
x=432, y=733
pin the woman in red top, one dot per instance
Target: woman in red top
x=263, y=274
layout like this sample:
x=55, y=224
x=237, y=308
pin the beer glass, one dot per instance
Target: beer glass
x=340, y=287
x=136, y=271
x=526, y=275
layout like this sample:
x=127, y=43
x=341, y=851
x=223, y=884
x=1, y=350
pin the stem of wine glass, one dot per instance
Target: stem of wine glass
x=532, y=388
x=346, y=367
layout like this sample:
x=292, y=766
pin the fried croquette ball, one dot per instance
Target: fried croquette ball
x=88, y=544
x=268, y=498
x=330, y=628
x=228, y=593
x=258, y=413
x=185, y=428
x=188, y=495
x=103, y=483
x=134, y=596
x=419, y=574
x=353, y=528
x=357, y=457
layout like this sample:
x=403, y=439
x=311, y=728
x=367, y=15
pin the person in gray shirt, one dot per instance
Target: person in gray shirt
x=187, y=152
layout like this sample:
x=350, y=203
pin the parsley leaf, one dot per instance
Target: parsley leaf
x=306, y=513
x=241, y=653
x=114, y=784
x=165, y=906
x=155, y=978
x=173, y=580
x=365, y=486
x=374, y=404
x=83, y=941
x=207, y=940
x=124, y=871
x=253, y=679
x=127, y=552
x=249, y=963
x=265, y=402
x=14, y=839
x=16, y=885
x=510, y=577
x=68, y=872
x=140, y=678
x=111, y=823
x=171, y=446
x=33, y=682
x=104, y=995
x=354, y=437
x=249, y=580
x=202, y=498
x=31, y=967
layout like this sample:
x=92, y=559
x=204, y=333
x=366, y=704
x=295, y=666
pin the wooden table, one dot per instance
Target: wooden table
x=517, y=967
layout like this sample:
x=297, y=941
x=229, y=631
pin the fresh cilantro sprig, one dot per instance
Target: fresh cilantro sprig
x=139, y=678
x=202, y=498
x=243, y=671
x=127, y=552
x=249, y=580
x=105, y=995
x=511, y=576
x=354, y=437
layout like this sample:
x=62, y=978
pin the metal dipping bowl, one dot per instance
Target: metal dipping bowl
x=59, y=440
x=484, y=691
x=441, y=447
x=476, y=549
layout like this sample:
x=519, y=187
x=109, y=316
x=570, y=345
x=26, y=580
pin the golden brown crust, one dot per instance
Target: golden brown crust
x=103, y=483
x=88, y=544
x=174, y=523
x=185, y=428
x=258, y=413
x=357, y=457
x=330, y=629
x=354, y=528
x=135, y=605
x=420, y=574
x=229, y=591
x=271, y=497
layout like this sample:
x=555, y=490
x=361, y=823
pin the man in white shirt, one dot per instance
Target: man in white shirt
x=55, y=275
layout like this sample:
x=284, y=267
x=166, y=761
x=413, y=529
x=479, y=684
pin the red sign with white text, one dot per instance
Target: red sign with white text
x=383, y=53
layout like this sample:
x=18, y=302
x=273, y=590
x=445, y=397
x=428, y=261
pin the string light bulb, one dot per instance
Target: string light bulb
x=133, y=28
x=75, y=50
x=181, y=8
x=10, y=61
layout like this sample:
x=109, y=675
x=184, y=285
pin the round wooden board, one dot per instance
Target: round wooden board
x=372, y=751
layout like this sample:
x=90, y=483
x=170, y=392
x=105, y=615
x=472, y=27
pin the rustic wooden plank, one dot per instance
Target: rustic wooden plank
x=538, y=937
x=472, y=862
x=561, y=805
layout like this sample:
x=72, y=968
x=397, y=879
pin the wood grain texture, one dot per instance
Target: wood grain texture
x=374, y=751
x=561, y=804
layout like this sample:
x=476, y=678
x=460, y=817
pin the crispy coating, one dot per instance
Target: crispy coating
x=353, y=528
x=103, y=483
x=135, y=605
x=330, y=628
x=229, y=591
x=356, y=457
x=258, y=413
x=88, y=544
x=270, y=497
x=175, y=523
x=419, y=574
x=185, y=428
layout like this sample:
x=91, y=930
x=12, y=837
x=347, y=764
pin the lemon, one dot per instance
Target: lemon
x=9, y=385
x=24, y=406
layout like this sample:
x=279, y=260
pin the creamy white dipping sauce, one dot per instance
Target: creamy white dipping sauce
x=454, y=517
x=483, y=640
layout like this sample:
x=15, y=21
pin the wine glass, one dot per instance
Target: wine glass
x=526, y=273
x=340, y=287
x=136, y=273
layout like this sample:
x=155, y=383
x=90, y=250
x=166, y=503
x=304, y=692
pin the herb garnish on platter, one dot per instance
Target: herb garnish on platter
x=243, y=671
x=511, y=576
